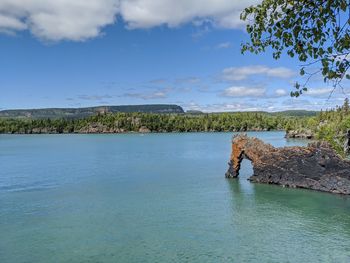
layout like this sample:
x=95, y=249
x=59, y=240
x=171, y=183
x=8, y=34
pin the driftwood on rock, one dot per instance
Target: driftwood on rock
x=316, y=166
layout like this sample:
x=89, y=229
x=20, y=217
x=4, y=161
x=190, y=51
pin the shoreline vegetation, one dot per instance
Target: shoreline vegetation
x=331, y=125
x=149, y=122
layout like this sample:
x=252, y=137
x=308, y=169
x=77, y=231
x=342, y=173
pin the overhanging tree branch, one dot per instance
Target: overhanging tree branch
x=315, y=31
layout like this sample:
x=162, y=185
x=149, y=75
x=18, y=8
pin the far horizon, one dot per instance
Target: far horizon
x=185, y=110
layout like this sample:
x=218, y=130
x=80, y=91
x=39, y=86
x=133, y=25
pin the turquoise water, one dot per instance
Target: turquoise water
x=156, y=198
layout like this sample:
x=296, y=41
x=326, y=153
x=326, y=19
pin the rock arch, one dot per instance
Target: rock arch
x=244, y=147
x=315, y=167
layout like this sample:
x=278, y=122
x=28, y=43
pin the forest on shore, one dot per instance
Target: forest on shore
x=330, y=125
x=149, y=122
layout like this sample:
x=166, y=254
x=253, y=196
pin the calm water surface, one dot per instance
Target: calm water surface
x=156, y=198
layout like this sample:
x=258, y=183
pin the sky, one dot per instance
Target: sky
x=79, y=53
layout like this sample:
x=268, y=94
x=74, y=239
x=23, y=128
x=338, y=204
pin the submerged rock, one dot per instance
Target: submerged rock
x=316, y=166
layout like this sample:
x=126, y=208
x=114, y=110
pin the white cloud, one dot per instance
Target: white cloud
x=150, y=13
x=187, y=80
x=221, y=107
x=280, y=92
x=316, y=92
x=241, y=73
x=261, y=105
x=224, y=45
x=95, y=97
x=305, y=104
x=56, y=20
x=9, y=23
x=241, y=91
x=79, y=20
x=151, y=96
x=157, y=94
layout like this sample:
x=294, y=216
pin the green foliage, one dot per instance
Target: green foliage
x=132, y=122
x=314, y=31
x=330, y=126
x=296, y=113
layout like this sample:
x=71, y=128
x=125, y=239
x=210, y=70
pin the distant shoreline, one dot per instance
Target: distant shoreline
x=136, y=132
x=115, y=123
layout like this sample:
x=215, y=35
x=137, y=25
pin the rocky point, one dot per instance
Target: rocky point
x=316, y=166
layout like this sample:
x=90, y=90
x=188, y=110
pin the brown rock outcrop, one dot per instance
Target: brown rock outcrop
x=315, y=167
x=299, y=134
x=144, y=129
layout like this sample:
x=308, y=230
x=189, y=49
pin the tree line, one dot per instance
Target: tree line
x=330, y=125
x=133, y=122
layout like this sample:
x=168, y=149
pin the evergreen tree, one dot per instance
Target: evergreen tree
x=346, y=105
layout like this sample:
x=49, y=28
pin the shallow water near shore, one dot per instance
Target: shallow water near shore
x=156, y=198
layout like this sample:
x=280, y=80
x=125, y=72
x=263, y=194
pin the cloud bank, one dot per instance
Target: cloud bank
x=241, y=91
x=157, y=94
x=281, y=93
x=56, y=20
x=78, y=20
x=319, y=92
x=242, y=73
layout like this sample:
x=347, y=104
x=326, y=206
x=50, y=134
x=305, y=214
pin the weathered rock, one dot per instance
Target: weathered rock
x=300, y=134
x=144, y=129
x=94, y=128
x=316, y=166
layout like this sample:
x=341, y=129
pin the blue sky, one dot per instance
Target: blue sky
x=113, y=52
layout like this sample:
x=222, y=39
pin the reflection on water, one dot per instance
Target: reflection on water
x=246, y=171
x=290, y=224
x=156, y=198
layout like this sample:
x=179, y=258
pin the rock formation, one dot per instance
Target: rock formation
x=144, y=129
x=316, y=166
x=299, y=134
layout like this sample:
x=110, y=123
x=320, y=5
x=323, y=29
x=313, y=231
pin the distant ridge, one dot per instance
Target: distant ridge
x=286, y=113
x=77, y=113
x=296, y=113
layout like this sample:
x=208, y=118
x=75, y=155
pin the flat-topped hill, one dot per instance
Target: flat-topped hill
x=77, y=113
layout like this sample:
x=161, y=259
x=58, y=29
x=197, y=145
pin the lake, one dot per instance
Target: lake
x=156, y=198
